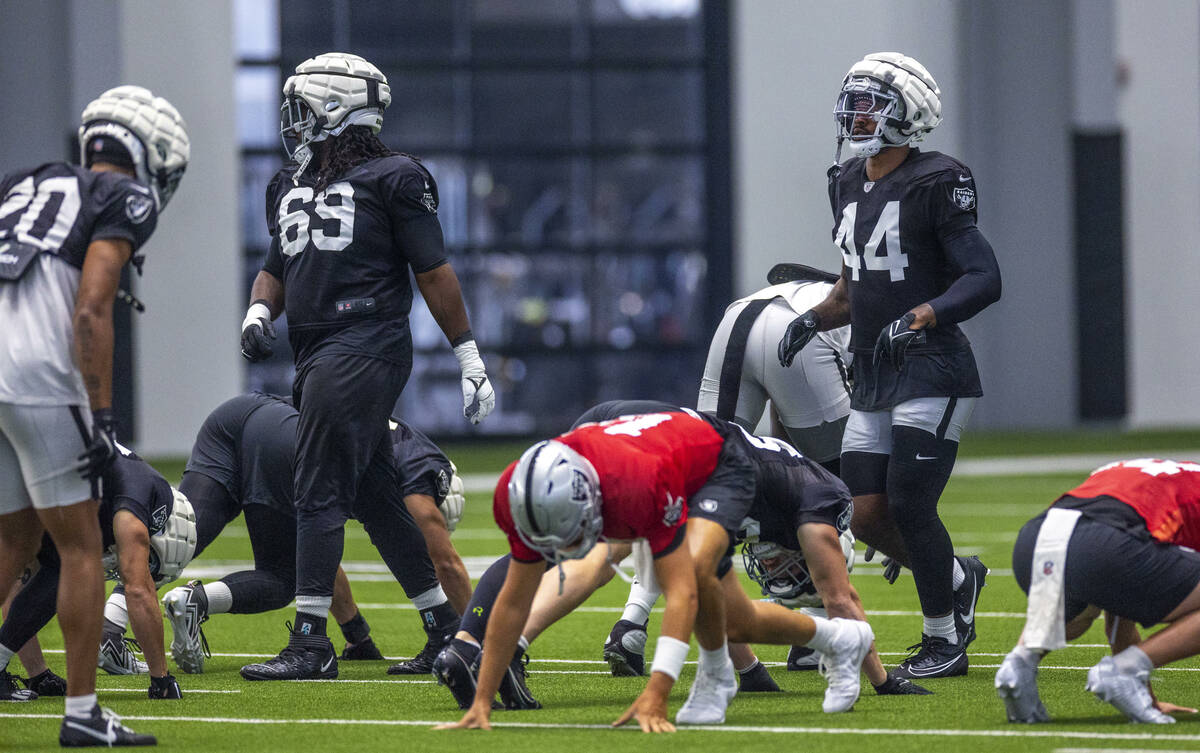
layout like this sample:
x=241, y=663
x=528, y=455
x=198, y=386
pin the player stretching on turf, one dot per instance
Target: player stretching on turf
x=914, y=266
x=348, y=219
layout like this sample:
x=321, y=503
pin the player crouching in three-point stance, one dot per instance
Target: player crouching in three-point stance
x=1124, y=542
x=632, y=479
x=914, y=266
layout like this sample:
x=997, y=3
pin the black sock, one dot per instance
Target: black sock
x=355, y=630
x=309, y=624
x=112, y=627
x=475, y=620
x=440, y=619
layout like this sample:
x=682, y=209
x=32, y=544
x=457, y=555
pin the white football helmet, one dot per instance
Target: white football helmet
x=554, y=496
x=150, y=129
x=897, y=93
x=329, y=93
x=172, y=548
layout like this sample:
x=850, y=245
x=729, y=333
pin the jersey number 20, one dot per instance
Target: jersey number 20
x=887, y=231
x=326, y=219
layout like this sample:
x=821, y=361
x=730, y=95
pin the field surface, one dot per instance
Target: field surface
x=366, y=710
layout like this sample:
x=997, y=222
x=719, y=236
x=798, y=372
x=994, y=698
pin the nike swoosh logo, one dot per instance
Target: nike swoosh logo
x=969, y=617
x=965, y=178
x=926, y=457
x=107, y=736
x=932, y=670
x=328, y=664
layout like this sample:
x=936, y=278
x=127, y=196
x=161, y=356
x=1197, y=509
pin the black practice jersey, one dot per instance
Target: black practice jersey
x=344, y=252
x=423, y=467
x=132, y=484
x=248, y=445
x=891, y=233
x=59, y=209
x=791, y=490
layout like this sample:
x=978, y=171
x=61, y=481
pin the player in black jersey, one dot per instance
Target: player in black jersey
x=347, y=221
x=65, y=234
x=914, y=266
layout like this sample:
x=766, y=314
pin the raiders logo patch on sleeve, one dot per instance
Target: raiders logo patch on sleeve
x=964, y=198
x=137, y=208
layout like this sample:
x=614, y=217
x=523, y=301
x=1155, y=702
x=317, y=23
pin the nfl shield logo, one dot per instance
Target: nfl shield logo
x=964, y=198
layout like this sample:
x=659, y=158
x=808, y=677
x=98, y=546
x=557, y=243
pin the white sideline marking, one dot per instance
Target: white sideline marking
x=142, y=690
x=1140, y=736
x=1118, y=750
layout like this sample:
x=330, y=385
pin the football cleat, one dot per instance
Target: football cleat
x=625, y=649
x=513, y=691
x=364, y=650
x=1129, y=693
x=757, y=680
x=894, y=685
x=933, y=657
x=1016, y=684
x=457, y=667
x=102, y=729
x=11, y=690
x=841, y=667
x=802, y=658
x=116, y=655
x=306, y=657
x=187, y=608
x=47, y=685
x=422, y=663
x=709, y=697
x=966, y=597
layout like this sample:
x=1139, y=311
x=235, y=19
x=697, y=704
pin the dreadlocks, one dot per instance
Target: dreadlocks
x=355, y=145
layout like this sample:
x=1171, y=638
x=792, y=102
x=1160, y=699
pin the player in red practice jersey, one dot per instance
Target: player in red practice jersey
x=664, y=478
x=1123, y=542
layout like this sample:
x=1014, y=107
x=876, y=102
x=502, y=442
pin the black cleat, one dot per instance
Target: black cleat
x=513, y=691
x=895, y=685
x=364, y=650
x=47, y=684
x=625, y=649
x=117, y=657
x=422, y=663
x=102, y=729
x=457, y=667
x=966, y=597
x=756, y=680
x=306, y=657
x=802, y=658
x=933, y=657
x=11, y=690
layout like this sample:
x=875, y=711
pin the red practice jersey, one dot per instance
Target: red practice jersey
x=1165, y=493
x=649, y=465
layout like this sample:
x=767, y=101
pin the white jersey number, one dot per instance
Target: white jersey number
x=887, y=231
x=334, y=207
x=771, y=444
x=31, y=202
x=1153, y=467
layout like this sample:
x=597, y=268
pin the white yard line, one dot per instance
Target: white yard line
x=735, y=729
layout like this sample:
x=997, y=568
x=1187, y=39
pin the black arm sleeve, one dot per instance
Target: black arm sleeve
x=978, y=285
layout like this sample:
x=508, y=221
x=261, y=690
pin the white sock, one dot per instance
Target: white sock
x=471, y=640
x=748, y=667
x=637, y=607
x=715, y=660
x=941, y=627
x=1133, y=660
x=6, y=655
x=822, y=640
x=220, y=598
x=960, y=575
x=115, y=610
x=318, y=606
x=1029, y=655
x=80, y=706
x=523, y=643
x=430, y=598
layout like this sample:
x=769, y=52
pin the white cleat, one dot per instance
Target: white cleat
x=841, y=667
x=116, y=656
x=709, y=697
x=1127, y=692
x=186, y=607
x=1016, y=684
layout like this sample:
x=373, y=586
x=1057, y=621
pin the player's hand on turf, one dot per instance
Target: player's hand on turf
x=475, y=718
x=258, y=334
x=650, y=712
x=101, y=450
x=798, y=334
x=895, y=340
x=165, y=687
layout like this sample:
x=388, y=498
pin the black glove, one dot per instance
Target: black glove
x=802, y=329
x=894, y=685
x=891, y=568
x=98, y=456
x=895, y=339
x=47, y=684
x=165, y=687
x=258, y=334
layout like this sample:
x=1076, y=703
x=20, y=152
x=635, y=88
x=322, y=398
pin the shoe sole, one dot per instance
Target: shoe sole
x=404, y=668
x=259, y=677
x=952, y=670
x=619, y=665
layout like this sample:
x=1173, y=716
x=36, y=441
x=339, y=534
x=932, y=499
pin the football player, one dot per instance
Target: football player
x=915, y=265
x=1124, y=541
x=149, y=535
x=65, y=234
x=348, y=218
x=640, y=478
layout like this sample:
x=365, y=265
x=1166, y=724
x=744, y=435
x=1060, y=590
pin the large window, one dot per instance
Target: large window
x=581, y=153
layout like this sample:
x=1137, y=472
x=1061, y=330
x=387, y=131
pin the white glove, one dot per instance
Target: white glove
x=478, y=396
x=452, y=504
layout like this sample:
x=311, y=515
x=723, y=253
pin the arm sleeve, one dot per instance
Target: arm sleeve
x=127, y=213
x=274, y=261
x=978, y=285
x=416, y=231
